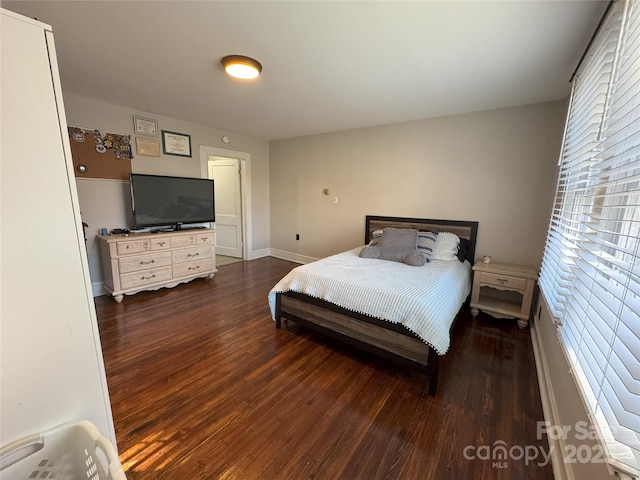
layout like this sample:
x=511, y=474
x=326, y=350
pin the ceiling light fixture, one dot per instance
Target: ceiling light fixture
x=240, y=66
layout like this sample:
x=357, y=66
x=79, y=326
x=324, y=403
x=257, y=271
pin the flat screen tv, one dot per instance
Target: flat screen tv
x=162, y=201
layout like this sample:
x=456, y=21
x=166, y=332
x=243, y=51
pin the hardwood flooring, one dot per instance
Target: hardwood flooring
x=203, y=386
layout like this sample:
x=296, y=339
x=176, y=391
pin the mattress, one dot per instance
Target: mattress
x=424, y=299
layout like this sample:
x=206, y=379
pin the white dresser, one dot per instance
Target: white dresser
x=149, y=261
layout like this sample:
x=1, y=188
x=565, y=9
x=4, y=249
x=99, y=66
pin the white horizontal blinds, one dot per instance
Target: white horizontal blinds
x=584, y=122
x=597, y=291
x=612, y=253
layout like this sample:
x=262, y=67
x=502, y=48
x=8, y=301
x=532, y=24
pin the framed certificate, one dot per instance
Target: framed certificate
x=145, y=126
x=148, y=146
x=176, y=144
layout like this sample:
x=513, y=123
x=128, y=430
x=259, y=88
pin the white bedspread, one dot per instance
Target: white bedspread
x=423, y=299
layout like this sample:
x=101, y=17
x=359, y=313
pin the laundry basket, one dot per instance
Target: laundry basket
x=71, y=451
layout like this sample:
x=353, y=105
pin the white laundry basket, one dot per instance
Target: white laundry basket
x=71, y=451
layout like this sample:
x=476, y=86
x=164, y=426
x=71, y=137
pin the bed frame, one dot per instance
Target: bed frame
x=388, y=340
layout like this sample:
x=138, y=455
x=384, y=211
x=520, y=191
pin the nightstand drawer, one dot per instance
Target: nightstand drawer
x=504, y=281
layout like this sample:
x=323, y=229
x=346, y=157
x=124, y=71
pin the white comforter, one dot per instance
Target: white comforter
x=423, y=299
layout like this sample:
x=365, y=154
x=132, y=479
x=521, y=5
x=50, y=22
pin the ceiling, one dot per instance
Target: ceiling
x=327, y=66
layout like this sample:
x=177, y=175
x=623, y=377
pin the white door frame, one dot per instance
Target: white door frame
x=228, y=223
x=245, y=185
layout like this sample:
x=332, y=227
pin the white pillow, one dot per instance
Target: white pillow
x=446, y=247
x=375, y=238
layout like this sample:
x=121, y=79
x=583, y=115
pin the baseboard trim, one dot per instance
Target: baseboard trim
x=255, y=254
x=292, y=257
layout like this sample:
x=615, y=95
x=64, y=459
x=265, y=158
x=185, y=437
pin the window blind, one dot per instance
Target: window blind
x=590, y=273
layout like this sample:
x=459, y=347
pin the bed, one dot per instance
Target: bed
x=348, y=297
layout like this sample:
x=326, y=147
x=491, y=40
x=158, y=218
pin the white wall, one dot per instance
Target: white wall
x=497, y=167
x=105, y=203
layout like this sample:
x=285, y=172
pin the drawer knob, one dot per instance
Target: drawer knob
x=142, y=262
x=192, y=254
x=194, y=268
x=147, y=278
x=502, y=281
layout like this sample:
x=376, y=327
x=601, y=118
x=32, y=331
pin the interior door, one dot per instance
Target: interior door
x=228, y=197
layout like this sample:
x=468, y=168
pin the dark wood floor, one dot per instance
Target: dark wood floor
x=203, y=386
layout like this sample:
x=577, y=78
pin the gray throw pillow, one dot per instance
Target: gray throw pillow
x=415, y=259
x=370, y=252
x=401, y=245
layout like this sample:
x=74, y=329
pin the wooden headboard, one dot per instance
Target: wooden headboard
x=464, y=229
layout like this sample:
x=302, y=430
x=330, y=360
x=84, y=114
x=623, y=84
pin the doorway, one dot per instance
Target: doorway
x=226, y=173
x=238, y=235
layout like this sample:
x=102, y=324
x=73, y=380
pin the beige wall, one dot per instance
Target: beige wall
x=497, y=167
x=562, y=404
x=105, y=203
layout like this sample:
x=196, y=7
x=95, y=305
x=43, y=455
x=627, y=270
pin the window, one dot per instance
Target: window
x=590, y=272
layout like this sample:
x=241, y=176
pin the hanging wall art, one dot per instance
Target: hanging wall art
x=98, y=154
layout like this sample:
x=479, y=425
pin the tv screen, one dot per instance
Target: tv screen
x=170, y=201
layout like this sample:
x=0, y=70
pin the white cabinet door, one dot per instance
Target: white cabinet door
x=51, y=362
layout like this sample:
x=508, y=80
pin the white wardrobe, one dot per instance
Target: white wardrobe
x=51, y=365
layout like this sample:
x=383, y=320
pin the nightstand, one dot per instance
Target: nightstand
x=503, y=291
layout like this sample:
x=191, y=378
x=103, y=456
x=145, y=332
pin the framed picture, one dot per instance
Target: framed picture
x=145, y=126
x=148, y=146
x=176, y=143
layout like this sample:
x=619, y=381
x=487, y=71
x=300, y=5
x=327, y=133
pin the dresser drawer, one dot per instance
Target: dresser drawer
x=505, y=281
x=132, y=246
x=193, y=268
x=144, y=262
x=183, y=241
x=204, y=239
x=190, y=254
x=160, y=243
x=145, y=277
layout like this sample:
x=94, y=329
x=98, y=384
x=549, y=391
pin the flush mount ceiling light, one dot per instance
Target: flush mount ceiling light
x=240, y=66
